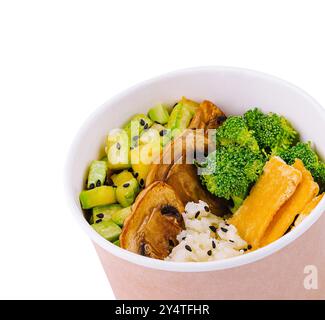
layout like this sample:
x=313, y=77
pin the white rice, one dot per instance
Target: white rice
x=198, y=243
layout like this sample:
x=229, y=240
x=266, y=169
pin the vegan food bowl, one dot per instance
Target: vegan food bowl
x=199, y=170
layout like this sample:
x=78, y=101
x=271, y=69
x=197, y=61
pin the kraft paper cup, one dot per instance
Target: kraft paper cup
x=293, y=267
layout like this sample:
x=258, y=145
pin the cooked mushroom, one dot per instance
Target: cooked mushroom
x=155, y=222
x=184, y=149
x=181, y=174
x=185, y=181
x=208, y=116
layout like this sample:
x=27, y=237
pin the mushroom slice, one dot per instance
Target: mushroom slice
x=208, y=116
x=190, y=145
x=161, y=246
x=186, y=183
x=155, y=222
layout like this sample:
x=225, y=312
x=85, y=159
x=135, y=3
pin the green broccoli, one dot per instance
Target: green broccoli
x=308, y=156
x=320, y=176
x=230, y=172
x=273, y=133
x=235, y=130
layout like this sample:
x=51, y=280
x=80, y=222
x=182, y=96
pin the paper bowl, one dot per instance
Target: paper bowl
x=277, y=271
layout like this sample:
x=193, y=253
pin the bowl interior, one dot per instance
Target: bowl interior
x=233, y=90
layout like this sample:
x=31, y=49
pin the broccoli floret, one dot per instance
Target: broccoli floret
x=308, y=156
x=320, y=176
x=230, y=172
x=273, y=133
x=235, y=130
x=253, y=116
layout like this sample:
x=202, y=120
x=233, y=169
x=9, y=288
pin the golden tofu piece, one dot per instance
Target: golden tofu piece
x=308, y=209
x=275, y=186
x=305, y=192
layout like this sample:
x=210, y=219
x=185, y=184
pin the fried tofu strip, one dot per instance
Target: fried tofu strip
x=305, y=192
x=308, y=209
x=276, y=185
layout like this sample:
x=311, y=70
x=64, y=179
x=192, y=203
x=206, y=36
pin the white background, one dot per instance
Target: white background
x=59, y=60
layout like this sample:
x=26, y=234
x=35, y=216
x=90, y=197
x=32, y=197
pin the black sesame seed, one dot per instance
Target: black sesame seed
x=197, y=214
x=213, y=228
x=209, y=253
x=162, y=132
x=98, y=183
x=92, y=186
x=188, y=248
x=249, y=247
x=125, y=185
x=245, y=249
x=213, y=244
x=135, y=174
x=227, y=224
x=146, y=126
x=118, y=146
x=99, y=220
x=231, y=241
x=130, y=169
x=141, y=182
x=206, y=208
x=183, y=238
x=142, y=122
x=224, y=229
x=100, y=215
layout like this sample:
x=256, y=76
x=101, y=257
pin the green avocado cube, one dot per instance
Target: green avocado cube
x=117, y=150
x=97, y=174
x=108, y=230
x=135, y=127
x=122, y=177
x=159, y=113
x=119, y=216
x=126, y=193
x=98, y=196
x=105, y=212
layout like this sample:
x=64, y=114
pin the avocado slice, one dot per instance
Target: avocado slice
x=127, y=192
x=97, y=197
x=120, y=215
x=121, y=178
x=107, y=229
x=97, y=174
x=159, y=113
x=105, y=212
x=135, y=127
x=117, y=149
x=142, y=158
